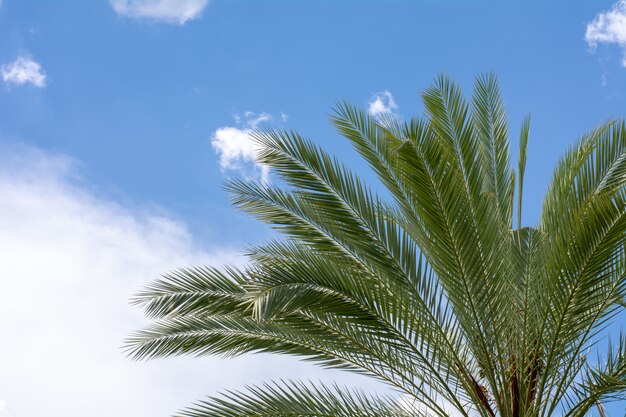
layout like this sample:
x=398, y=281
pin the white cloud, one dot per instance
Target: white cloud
x=4, y=409
x=235, y=147
x=69, y=261
x=609, y=27
x=24, y=70
x=168, y=11
x=382, y=104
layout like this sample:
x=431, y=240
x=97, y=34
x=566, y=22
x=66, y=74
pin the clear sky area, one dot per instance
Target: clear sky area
x=121, y=119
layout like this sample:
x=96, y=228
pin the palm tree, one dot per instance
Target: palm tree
x=428, y=284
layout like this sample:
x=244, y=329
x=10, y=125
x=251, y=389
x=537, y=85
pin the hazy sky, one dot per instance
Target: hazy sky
x=120, y=119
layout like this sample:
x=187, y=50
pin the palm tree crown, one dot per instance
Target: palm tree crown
x=433, y=287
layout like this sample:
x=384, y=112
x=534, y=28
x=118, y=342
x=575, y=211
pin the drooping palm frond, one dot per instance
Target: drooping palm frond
x=298, y=399
x=601, y=383
x=429, y=287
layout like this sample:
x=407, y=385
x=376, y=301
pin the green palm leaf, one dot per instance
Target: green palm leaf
x=290, y=399
x=427, y=285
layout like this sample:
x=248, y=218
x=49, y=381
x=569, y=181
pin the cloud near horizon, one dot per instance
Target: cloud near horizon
x=167, y=11
x=69, y=262
x=609, y=27
x=24, y=70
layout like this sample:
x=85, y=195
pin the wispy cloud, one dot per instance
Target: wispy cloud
x=235, y=147
x=382, y=104
x=24, y=70
x=168, y=11
x=69, y=262
x=609, y=27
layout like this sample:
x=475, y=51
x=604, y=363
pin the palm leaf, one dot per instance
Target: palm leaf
x=289, y=399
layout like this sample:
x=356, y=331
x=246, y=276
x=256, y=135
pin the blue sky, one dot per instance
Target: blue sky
x=122, y=118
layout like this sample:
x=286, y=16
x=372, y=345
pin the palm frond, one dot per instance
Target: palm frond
x=198, y=290
x=490, y=121
x=602, y=383
x=521, y=167
x=289, y=399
